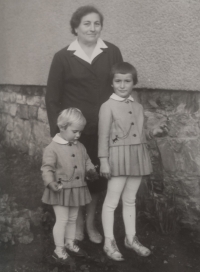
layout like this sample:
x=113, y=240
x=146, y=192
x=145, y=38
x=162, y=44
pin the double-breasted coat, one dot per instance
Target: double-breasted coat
x=122, y=137
x=73, y=82
x=69, y=163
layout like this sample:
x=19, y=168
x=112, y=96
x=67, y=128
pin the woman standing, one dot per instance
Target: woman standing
x=79, y=77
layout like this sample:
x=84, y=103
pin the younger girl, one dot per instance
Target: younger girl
x=65, y=162
x=124, y=157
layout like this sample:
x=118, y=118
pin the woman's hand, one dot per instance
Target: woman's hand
x=54, y=186
x=161, y=130
x=105, y=168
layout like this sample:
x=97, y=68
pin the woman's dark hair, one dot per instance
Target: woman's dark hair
x=124, y=68
x=80, y=13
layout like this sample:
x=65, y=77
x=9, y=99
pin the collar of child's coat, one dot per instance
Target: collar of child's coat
x=78, y=51
x=59, y=140
x=118, y=98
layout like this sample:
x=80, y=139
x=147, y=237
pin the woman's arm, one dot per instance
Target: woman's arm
x=55, y=88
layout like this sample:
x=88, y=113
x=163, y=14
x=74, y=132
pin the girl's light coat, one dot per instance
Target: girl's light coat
x=66, y=162
x=120, y=123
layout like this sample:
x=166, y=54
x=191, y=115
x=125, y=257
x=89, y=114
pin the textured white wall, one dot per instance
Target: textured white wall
x=160, y=37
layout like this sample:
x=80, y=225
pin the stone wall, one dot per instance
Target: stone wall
x=23, y=118
x=176, y=157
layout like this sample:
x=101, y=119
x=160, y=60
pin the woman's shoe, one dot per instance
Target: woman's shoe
x=74, y=250
x=62, y=257
x=112, y=251
x=79, y=236
x=137, y=247
x=95, y=236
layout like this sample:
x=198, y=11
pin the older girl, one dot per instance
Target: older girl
x=123, y=156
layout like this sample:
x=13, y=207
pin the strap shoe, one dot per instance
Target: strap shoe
x=137, y=247
x=112, y=250
x=74, y=250
x=62, y=257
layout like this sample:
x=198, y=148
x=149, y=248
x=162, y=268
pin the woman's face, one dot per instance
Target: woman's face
x=89, y=29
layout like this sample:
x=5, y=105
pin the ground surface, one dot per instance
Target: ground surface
x=21, y=178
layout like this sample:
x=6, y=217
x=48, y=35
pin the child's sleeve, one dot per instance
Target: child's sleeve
x=48, y=166
x=105, y=121
x=147, y=131
x=149, y=134
x=90, y=170
x=88, y=164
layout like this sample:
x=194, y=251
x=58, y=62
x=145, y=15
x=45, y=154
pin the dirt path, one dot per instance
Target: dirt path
x=20, y=178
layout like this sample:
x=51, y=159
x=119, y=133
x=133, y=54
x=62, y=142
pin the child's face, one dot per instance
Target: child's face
x=72, y=132
x=123, y=84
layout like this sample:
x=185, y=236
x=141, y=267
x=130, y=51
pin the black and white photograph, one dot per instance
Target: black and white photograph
x=99, y=136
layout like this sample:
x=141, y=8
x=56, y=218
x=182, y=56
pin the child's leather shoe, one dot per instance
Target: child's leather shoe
x=62, y=257
x=74, y=250
x=112, y=251
x=137, y=247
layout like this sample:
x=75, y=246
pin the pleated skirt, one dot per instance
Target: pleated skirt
x=67, y=197
x=130, y=160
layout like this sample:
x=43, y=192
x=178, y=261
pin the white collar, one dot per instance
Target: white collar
x=75, y=46
x=118, y=98
x=59, y=140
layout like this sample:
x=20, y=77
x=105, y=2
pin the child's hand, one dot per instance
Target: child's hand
x=161, y=130
x=91, y=175
x=105, y=168
x=54, y=186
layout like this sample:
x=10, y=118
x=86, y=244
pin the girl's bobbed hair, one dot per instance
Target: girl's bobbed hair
x=70, y=116
x=80, y=13
x=124, y=68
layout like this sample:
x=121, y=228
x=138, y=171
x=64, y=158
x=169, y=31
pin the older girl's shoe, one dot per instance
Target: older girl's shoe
x=137, y=247
x=112, y=251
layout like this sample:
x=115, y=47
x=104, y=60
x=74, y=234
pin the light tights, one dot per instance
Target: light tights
x=126, y=187
x=65, y=226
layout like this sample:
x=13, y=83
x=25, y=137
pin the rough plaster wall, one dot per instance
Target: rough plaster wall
x=160, y=37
